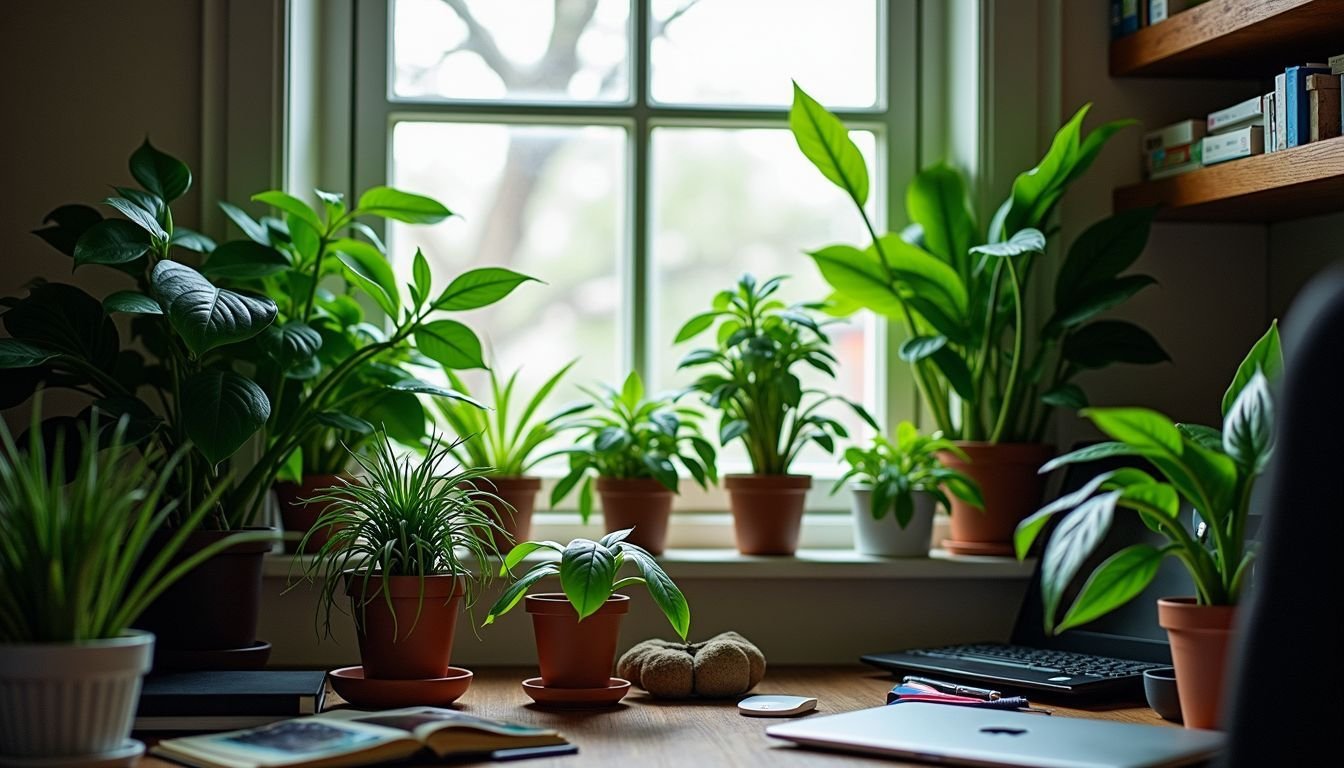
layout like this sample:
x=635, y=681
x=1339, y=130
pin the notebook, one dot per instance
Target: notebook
x=1103, y=660
x=226, y=700
x=352, y=738
x=968, y=736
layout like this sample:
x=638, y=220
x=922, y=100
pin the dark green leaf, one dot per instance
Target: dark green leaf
x=825, y=141
x=730, y=430
x=1104, y=342
x=955, y=370
x=111, y=241
x=1092, y=300
x=479, y=288
x=1101, y=253
x=1119, y=579
x=661, y=588
x=403, y=206
x=450, y=344
x=191, y=240
x=1091, y=453
x=133, y=302
x=65, y=319
x=206, y=316
x=292, y=344
x=68, y=222
x=936, y=202
x=515, y=591
x=401, y=415
x=20, y=354
x=160, y=173
x=917, y=348
x=370, y=271
x=249, y=226
x=344, y=422
x=1066, y=396
x=220, y=411
x=587, y=573
x=425, y=388
x=244, y=259
x=1266, y=356
x=140, y=217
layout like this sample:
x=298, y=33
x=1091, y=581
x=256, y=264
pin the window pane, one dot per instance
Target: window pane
x=519, y=50
x=745, y=51
x=731, y=201
x=548, y=201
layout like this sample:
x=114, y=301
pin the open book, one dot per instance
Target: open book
x=350, y=738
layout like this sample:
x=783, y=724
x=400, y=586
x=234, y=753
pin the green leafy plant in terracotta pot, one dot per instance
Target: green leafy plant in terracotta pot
x=898, y=486
x=402, y=540
x=628, y=449
x=78, y=508
x=577, y=629
x=511, y=449
x=751, y=377
x=989, y=374
x=1209, y=470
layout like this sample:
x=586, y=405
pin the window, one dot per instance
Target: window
x=634, y=155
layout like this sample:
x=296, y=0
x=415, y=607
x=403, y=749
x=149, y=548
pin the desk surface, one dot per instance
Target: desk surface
x=647, y=732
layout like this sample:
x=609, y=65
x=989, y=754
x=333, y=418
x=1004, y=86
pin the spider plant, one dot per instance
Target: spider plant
x=77, y=512
x=508, y=447
x=406, y=515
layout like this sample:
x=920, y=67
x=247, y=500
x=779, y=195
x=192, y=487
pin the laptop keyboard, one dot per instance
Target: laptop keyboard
x=1064, y=662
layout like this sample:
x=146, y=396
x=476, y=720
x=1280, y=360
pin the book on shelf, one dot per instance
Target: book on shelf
x=1336, y=64
x=1248, y=112
x=1297, y=114
x=1124, y=18
x=1267, y=126
x=1234, y=145
x=1175, y=135
x=1186, y=157
x=225, y=700
x=1323, y=106
x=353, y=738
x=1161, y=10
x=1280, y=113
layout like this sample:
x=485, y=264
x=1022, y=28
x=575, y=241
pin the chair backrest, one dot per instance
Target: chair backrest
x=1284, y=703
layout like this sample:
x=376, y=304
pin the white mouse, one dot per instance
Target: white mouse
x=776, y=706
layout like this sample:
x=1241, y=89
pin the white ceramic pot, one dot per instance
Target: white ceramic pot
x=73, y=700
x=886, y=537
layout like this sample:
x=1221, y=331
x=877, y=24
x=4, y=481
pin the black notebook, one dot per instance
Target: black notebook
x=226, y=700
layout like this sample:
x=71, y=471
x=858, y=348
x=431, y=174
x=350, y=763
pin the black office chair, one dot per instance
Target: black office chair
x=1286, y=702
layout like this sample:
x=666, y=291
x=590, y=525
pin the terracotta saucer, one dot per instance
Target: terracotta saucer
x=978, y=548
x=252, y=656
x=351, y=685
x=576, y=698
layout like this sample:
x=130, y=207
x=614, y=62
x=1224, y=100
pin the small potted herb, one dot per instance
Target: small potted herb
x=402, y=541
x=627, y=450
x=753, y=380
x=510, y=449
x=577, y=628
x=898, y=487
x=1208, y=470
x=78, y=568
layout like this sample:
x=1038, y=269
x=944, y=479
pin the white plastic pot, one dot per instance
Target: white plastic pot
x=885, y=537
x=73, y=700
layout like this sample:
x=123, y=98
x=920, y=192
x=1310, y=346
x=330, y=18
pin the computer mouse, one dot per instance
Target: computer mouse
x=776, y=706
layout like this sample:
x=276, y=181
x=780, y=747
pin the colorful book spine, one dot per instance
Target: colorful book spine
x=1129, y=17
x=1296, y=109
x=1267, y=121
x=1280, y=113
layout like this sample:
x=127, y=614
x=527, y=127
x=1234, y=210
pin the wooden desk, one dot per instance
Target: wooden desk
x=646, y=732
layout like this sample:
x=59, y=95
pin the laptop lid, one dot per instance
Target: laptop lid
x=969, y=736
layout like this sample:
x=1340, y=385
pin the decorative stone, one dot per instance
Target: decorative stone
x=723, y=666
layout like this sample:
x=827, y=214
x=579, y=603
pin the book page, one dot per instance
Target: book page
x=308, y=741
x=447, y=731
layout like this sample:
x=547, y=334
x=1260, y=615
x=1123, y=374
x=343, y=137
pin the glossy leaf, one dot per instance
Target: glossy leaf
x=111, y=241
x=664, y=592
x=1119, y=579
x=515, y=592
x=402, y=206
x=1030, y=528
x=1092, y=300
x=479, y=288
x=936, y=201
x=291, y=344
x=1266, y=356
x=825, y=141
x=420, y=276
x=160, y=173
x=138, y=216
x=1248, y=428
x=21, y=354
x=244, y=259
x=917, y=348
x=370, y=270
x=68, y=223
x=450, y=344
x=1066, y=396
x=587, y=573
x=191, y=240
x=1072, y=543
x=220, y=411
x=255, y=231
x=133, y=302
x=344, y=422
x=859, y=277
x=64, y=319
x=1022, y=242
x=1102, y=252
x=290, y=205
x=206, y=316
x=425, y=388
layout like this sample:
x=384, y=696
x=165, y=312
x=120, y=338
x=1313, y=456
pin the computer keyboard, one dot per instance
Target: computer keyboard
x=1039, y=659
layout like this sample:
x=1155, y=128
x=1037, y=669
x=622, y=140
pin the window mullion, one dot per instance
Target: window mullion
x=640, y=309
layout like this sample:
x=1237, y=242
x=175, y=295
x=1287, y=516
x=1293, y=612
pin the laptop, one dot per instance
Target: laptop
x=1101, y=660
x=970, y=736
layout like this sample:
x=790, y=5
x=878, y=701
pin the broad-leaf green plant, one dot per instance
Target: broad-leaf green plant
x=896, y=470
x=588, y=572
x=403, y=515
x=75, y=559
x=629, y=436
x=752, y=377
x=1212, y=471
x=510, y=448
x=987, y=371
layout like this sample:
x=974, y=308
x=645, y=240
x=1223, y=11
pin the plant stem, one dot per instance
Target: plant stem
x=1018, y=337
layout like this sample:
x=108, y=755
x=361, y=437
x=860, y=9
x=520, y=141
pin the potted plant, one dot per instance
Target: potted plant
x=898, y=487
x=79, y=508
x=577, y=628
x=401, y=544
x=627, y=450
x=1209, y=470
x=753, y=380
x=510, y=449
x=988, y=374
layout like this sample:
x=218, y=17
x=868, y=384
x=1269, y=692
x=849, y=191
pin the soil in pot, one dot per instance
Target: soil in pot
x=573, y=653
x=394, y=643
x=1012, y=488
x=299, y=515
x=213, y=607
x=643, y=504
x=521, y=494
x=1200, y=636
x=767, y=512
x=885, y=537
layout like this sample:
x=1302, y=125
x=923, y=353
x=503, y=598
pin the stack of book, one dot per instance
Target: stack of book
x=1174, y=149
x=1235, y=132
x=1305, y=105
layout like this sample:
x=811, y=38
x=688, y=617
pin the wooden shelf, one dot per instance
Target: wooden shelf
x=1302, y=181
x=1237, y=39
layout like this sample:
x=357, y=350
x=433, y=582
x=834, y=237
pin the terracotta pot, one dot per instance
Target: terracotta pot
x=643, y=504
x=885, y=537
x=1012, y=487
x=395, y=644
x=298, y=515
x=1200, y=636
x=521, y=494
x=573, y=653
x=767, y=511
x=213, y=607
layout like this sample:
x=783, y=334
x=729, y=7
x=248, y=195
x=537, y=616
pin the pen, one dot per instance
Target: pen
x=954, y=688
